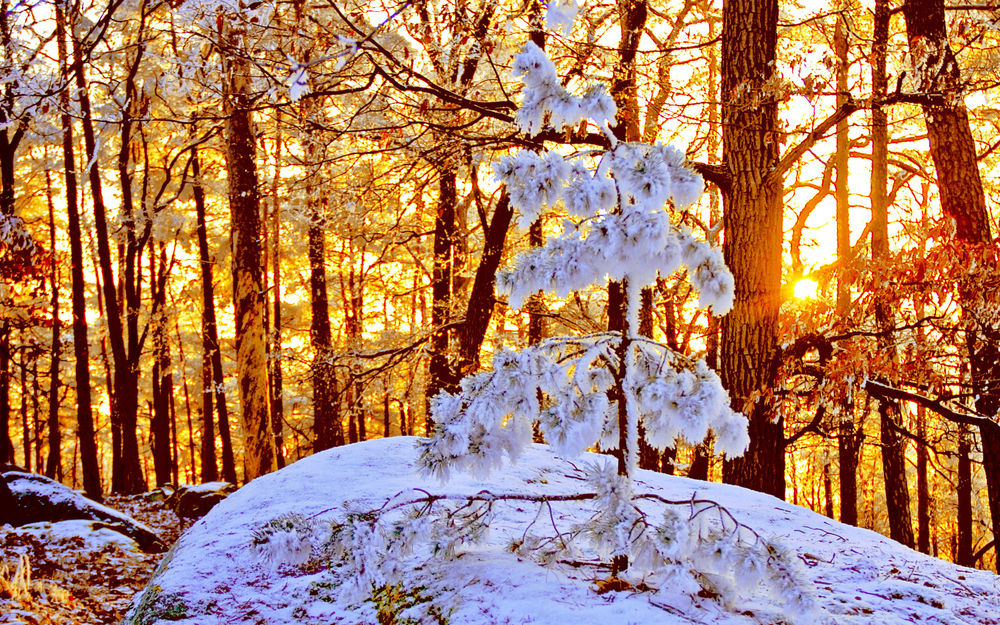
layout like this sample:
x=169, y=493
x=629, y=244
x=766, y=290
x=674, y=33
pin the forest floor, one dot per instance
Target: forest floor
x=72, y=580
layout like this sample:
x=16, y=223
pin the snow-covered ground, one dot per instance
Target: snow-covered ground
x=240, y=565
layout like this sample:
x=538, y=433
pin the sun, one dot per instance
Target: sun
x=806, y=288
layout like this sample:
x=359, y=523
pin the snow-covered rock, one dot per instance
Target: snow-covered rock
x=250, y=561
x=80, y=534
x=43, y=500
x=196, y=500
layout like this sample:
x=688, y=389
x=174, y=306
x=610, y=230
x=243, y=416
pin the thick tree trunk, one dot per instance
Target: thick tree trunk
x=753, y=235
x=248, y=297
x=81, y=349
x=960, y=187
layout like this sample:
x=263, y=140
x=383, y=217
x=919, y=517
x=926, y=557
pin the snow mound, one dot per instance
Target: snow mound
x=250, y=560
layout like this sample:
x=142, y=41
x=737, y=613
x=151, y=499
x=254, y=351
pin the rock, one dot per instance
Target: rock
x=195, y=501
x=10, y=511
x=40, y=499
x=163, y=493
x=82, y=534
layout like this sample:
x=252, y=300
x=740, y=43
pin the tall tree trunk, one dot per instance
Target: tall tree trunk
x=963, y=486
x=6, y=444
x=960, y=187
x=445, y=234
x=25, y=421
x=479, y=309
x=849, y=452
x=753, y=235
x=481, y=299
x=125, y=379
x=81, y=349
x=212, y=379
x=848, y=442
x=897, y=495
x=248, y=297
x=327, y=427
x=923, y=486
x=53, y=462
x=192, y=453
x=893, y=446
x=277, y=379
x=163, y=386
x=9, y=140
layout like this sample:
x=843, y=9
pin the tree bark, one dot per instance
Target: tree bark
x=753, y=236
x=960, y=188
x=248, y=297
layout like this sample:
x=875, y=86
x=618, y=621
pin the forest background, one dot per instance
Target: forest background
x=237, y=233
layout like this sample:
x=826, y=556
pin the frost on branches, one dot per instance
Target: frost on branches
x=578, y=389
x=581, y=392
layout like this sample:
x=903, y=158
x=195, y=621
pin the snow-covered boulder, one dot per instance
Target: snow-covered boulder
x=260, y=557
x=195, y=500
x=40, y=500
x=79, y=534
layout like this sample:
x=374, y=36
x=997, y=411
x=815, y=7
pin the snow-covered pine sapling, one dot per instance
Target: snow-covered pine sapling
x=596, y=389
x=582, y=392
